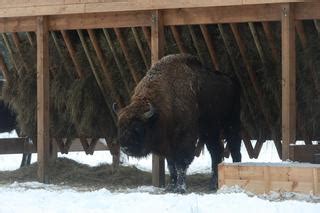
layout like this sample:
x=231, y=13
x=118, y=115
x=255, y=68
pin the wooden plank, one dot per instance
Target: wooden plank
x=103, y=63
x=100, y=20
x=117, y=60
x=13, y=145
x=210, y=46
x=136, y=77
x=43, y=115
x=32, y=8
x=198, y=15
x=288, y=79
x=140, y=48
x=21, y=145
x=217, y=15
x=178, y=40
x=72, y=53
x=157, y=51
x=266, y=177
x=3, y=67
x=303, y=153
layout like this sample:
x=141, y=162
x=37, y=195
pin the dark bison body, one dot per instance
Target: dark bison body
x=7, y=118
x=177, y=105
x=7, y=124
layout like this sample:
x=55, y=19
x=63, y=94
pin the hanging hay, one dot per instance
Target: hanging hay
x=81, y=107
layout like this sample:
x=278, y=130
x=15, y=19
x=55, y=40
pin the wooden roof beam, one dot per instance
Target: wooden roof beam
x=187, y=16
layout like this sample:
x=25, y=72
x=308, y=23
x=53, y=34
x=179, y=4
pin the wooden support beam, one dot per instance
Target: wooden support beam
x=30, y=39
x=304, y=41
x=147, y=35
x=72, y=53
x=140, y=48
x=136, y=77
x=317, y=25
x=271, y=41
x=210, y=46
x=117, y=60
x=235, y=67
x=195, y=43
x=10, y=51
x=106, y=71
x=157, y=51
x=180, y=16
x=288, y=79
x=16, y=41
x=257, y=42
x=4, y=68
x=43, y=115
x=96, y=75
x=178, y=40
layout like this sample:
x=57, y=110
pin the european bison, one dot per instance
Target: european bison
x=8, y=124
x=177, y=105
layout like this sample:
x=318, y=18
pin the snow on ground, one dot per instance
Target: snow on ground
x=35, y=197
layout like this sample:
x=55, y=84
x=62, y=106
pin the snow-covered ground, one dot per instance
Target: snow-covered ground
x=35, y=197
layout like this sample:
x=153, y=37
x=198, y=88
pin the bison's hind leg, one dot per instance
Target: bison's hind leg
x=234, y=142
x=215, y=149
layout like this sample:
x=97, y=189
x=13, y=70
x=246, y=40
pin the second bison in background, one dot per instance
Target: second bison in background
x=177, y=105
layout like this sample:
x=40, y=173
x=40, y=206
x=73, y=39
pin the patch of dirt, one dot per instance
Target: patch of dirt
x=71, y=173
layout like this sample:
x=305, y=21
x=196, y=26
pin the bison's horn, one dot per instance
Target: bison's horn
x=115, y=107
x=149, y=113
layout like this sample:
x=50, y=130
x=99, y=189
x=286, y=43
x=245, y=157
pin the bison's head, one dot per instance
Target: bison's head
x=135, y=129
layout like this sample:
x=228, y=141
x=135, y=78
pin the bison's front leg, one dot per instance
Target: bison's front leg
x=173, y=175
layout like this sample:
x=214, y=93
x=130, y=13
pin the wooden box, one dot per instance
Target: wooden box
x=262, y=178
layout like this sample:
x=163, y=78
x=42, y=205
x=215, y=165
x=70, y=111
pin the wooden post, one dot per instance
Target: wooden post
x=43, y=137
x=288, y=79
x=157, y=51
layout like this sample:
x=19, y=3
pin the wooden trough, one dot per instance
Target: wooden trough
x=262, y=178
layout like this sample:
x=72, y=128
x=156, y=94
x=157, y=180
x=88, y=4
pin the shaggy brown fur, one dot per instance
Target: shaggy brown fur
x=185, y=102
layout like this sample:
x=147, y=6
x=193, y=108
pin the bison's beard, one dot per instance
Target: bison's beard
x=135, y=151
x=134, y=148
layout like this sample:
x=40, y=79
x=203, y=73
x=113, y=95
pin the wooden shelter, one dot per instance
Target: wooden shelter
x=43, y=16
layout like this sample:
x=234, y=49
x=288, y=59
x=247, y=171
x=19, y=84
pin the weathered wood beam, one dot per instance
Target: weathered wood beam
x=147, y=35
x=257, y=42
x=4, y=68
x=30, y=39
x=16, y=41
x=72, y=52
x=178, y=40
x=43, y=115
x=136, y=77
x=117, y=60
x=157, y=51
x=271, y=41
x=195, y=43
x=140, y=48
x=181, y=16
x=10, y=51
x=304, y=41
x=96, y=75
x=210, y=46
x=288, y=79
x=106, y=71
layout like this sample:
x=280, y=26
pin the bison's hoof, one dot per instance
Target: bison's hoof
x=180, y=190
x=170, y=187
x=213, y=187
